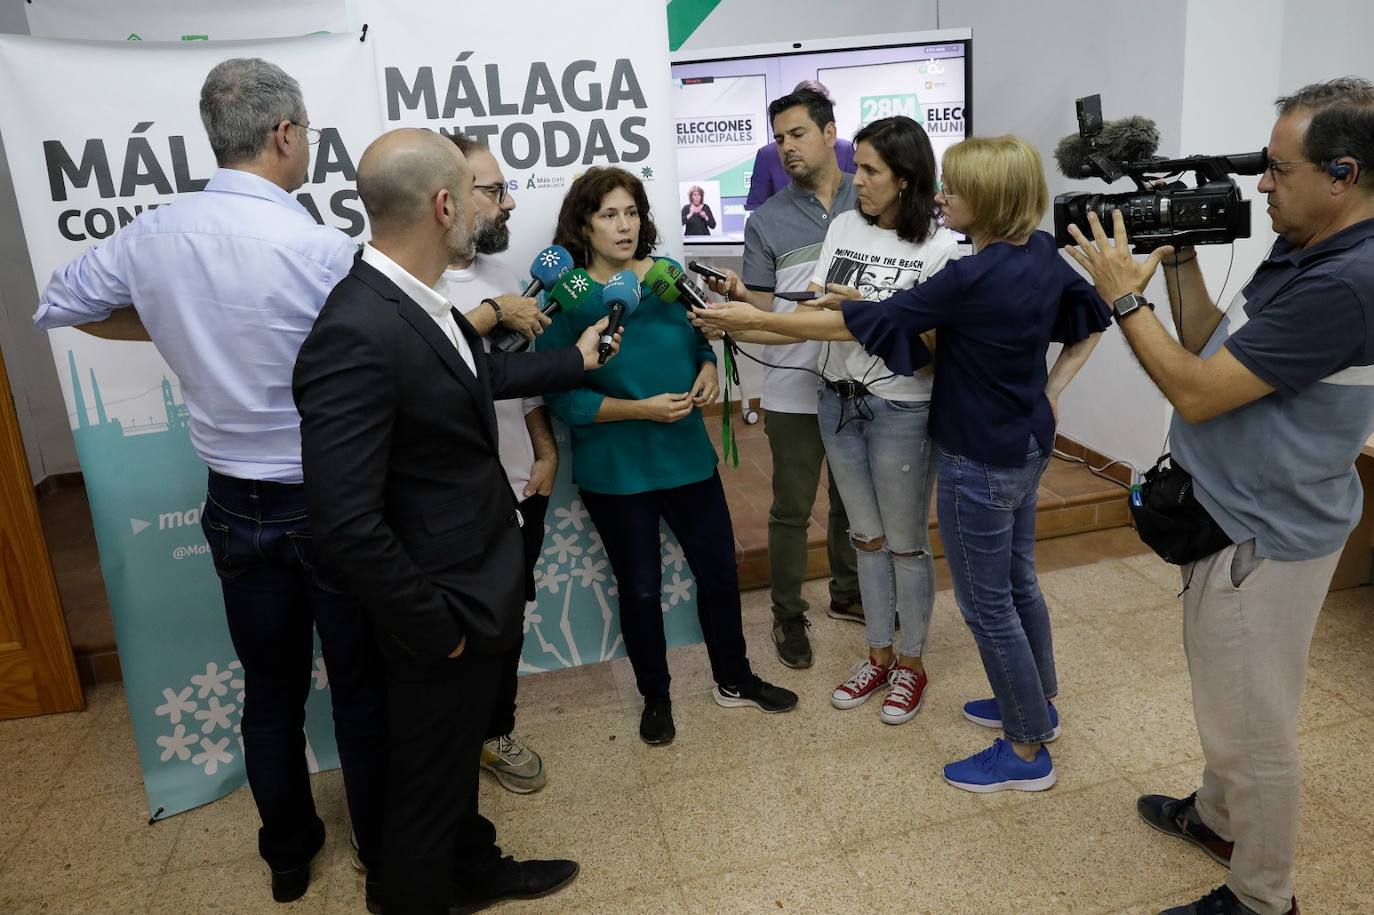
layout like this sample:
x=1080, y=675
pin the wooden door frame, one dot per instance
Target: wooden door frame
x=38, y=674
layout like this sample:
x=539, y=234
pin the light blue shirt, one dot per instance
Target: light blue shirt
x=228, y=282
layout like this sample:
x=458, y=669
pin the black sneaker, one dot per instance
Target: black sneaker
x=763, y=696
x=789, y=637
x=656, y=722
x=1221, y=901
x=1178, y=817
x=850, y=611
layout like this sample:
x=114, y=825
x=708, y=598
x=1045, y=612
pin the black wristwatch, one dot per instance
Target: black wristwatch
x=1129, y=304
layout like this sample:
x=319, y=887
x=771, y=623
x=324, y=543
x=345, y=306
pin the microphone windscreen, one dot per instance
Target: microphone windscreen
x=1129, y=139
x=572, y=290
x=624, y=289
x=1071, y=154
x=661, y=280
x=550, y=265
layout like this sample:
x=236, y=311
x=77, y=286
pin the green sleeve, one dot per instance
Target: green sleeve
x=579, y=406
x=705, y=353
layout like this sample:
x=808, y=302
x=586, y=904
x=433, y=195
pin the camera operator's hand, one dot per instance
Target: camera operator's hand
x=1109, y=262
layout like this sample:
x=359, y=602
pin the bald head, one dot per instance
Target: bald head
x=401, y=172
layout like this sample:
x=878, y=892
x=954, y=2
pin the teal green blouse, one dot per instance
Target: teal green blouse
x=661, y=352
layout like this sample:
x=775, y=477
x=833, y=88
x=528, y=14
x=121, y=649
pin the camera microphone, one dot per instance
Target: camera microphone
x=1129, y=139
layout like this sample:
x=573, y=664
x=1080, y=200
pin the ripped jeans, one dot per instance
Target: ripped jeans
x=882, y=462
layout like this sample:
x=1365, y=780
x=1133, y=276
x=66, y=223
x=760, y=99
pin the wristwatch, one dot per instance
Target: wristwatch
x=1128, y=304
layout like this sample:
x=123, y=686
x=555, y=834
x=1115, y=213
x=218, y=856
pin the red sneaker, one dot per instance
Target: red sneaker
x=904, y=699
x=867, y=678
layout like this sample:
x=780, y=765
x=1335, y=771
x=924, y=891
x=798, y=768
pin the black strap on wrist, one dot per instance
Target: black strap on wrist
x=496, y=308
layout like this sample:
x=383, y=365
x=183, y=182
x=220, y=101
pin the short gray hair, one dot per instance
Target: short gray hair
x=1345, y=90
x=242, y=100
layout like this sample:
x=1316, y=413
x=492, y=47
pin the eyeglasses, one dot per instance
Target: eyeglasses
x=1279, y=167
x=497, y=191
x=312, y=136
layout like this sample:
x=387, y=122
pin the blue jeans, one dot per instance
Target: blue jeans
x=882, y=468
x=987, y=520
x=275, y=599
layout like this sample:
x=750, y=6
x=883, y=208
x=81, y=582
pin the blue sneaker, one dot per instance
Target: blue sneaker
x=986, y=713
x=998, y=768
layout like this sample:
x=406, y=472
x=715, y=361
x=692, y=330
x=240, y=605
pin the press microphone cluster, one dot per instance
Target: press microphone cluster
x=666, y=280
x=549, y=266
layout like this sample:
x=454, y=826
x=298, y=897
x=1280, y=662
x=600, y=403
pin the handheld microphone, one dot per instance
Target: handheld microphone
x=569, y=293
x=1130, y=139
x=621, y=296
x=548, y=267
x=666, y=280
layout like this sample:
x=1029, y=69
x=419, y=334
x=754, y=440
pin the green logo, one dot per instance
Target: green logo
x=134, y=36
x=873, y=107
x=195, y=37
x=646, y=172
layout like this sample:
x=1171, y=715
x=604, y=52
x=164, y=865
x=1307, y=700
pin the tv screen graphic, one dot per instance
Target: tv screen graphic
x=721, y=104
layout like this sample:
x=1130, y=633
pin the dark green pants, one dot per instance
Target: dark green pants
x=795, y=442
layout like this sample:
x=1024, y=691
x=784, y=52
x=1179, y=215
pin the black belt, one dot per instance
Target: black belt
x=846, y=388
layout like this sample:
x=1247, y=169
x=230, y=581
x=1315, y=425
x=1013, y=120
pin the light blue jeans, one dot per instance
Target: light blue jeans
x=987, y=521
x=882, y=462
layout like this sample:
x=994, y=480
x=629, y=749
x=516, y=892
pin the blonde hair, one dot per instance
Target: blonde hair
x=1002, y=179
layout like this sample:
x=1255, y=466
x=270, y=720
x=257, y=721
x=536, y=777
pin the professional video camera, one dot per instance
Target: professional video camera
x=1156, y=213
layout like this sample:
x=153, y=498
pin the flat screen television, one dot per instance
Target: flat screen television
x=721, y=98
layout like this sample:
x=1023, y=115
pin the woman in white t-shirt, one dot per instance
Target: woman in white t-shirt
x=873, y=420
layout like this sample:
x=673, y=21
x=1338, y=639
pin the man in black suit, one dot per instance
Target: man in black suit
x=413, y=512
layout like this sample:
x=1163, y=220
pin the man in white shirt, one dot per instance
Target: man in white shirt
x=529, y=455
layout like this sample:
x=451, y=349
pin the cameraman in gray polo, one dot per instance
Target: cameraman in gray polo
x=1274, y=398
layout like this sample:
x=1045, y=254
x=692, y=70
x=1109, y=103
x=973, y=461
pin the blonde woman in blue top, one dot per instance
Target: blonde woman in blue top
x=640, y=453
x=992, y=417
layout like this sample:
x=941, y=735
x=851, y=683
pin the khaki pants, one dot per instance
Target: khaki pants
x=1247, y=626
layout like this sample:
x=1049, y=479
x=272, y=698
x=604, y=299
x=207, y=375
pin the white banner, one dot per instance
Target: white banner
x=553, y=89
x=178, y=20
x=118, y=134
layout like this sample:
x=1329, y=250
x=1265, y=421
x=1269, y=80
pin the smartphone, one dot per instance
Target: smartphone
x=711, y=272
x=804, y=296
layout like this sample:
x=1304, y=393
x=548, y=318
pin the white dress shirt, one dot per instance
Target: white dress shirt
x=228, y=282
x=434, y=303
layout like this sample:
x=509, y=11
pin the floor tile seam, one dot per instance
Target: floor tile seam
x=761, y=860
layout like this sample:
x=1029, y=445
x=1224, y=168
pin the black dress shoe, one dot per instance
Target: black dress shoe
x=288, y=886
x=512, y=879
x=656, y=722
x=372, y=894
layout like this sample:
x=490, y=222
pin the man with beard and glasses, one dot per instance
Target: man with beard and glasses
x=529, y=455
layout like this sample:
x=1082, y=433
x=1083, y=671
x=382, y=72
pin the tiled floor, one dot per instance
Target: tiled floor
x=817, y=811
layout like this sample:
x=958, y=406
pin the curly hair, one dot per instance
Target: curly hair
x=582, y=202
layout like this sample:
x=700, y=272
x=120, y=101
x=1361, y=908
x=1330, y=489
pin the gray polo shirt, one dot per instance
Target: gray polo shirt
x=1281, y=469
x=782, y=241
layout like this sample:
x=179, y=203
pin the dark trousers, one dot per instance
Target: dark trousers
x=274, y=599
x=700, y=519
x=533, y=511
x=433, y=836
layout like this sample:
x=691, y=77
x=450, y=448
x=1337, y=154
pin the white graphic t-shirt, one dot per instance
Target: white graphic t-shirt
x=879, y=264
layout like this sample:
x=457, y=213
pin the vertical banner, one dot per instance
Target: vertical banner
x=588, y=86
x=118, y=134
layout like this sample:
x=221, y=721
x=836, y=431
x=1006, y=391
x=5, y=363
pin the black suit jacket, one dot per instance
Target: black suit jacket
x=407, y=499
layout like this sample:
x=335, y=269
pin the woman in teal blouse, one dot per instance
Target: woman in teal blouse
x=640, y=453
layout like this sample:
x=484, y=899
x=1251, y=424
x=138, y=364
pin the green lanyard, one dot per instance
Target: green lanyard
x=728, y=445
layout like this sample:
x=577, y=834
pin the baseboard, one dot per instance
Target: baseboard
x=58, y=481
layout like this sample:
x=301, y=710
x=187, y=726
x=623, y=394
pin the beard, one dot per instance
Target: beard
x=459, y=242
x=492, y=236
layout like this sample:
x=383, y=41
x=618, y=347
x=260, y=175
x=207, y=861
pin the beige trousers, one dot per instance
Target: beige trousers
x=1247, y=626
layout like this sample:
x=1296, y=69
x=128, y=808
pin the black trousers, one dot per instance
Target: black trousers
x=275, y=599
x=433, y=836
x=700, y=519
x=533, y=510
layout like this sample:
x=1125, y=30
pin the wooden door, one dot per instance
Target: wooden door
x=37, y=672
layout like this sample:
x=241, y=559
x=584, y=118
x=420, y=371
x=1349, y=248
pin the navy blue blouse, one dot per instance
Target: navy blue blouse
x=996, y=313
